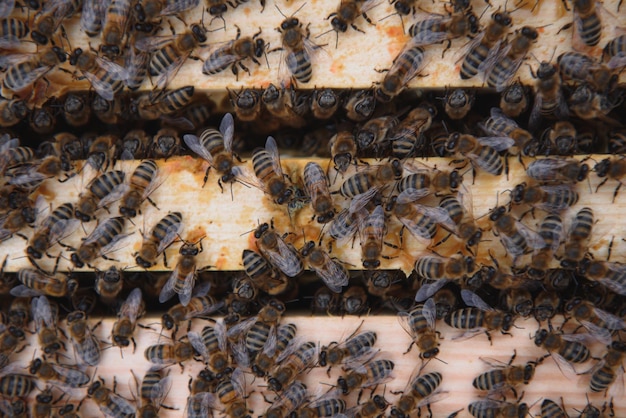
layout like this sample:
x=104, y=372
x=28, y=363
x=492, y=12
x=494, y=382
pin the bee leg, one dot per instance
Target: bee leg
x=565, y=27
x=206, y=176
x=616, y=191
x=449, y=44
x=152, y=203
x=410, y=347
x=489, y=337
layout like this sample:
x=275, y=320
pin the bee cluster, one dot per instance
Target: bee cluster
x=535, y=258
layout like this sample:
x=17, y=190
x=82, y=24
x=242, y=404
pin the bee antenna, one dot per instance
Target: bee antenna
x=324, y=33
x=280, y=11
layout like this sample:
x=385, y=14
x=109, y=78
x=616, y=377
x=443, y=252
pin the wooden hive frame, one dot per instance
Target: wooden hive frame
x=220, y=217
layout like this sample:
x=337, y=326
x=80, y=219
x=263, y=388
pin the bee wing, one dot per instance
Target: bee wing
x=238, y=380
x=185, y=295
x=220, y=58
x=6, y=142
x=612, y=322
x=427, y=290
x=167, y=292
x=194, y=144
x=533, y=239
x=153, y=43
x=343, y=235
x=376, y=219
x=171, y=70
x=428, y=37
x=42, y=314
x=220, y=332
x=88, y=345
x=286, y=259
x=272, y=149
x=92, y=11
x=598, y=333
x=335, y=276
x=247, y=177
x=73, y=377
x=506, y=79
x=227, y=128
x=359, y=201
x=196, y=342
x=61, y=229
x=416, y=63
x=240, y=328
x=542, y=169
x=499, y=143
x=177, y=7
x=6, y=8
x=614, y=285
x=24, y=291
x=104, y=89
x=117, y=406
x=411, y=195
x=557, y=205
x=439, y=215
x=469, y=46
x=492, y=58
x=566, y=368
x=472, y=299
x=116, y=71
x=32, y=76
x=171, y=233
x=132, y=307
x=98, y=232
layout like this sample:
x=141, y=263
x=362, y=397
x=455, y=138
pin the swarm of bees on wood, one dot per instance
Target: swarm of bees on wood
x=533, y=255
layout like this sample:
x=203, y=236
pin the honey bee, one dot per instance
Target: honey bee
x=575, y=247
x=484, y=48
x=501, y=409
x=564, y=348
x=551, y=231
x=286, y=105
x=12, y=31
x=258, y=329
x=109, y=111
x=101, y=151
x=561, y=139
x=499, y=125
x=12, y=112
x=407, y=137
x=23, y=70
x=63, y=375
x=419, y=392
x=551, y=198
x=12, y=222
x=510, y=58
x=599, y=323
x=343, y=149
x=275, y=348
x=583, y=68
x=50, y=17
x=347, y=13
x=36, y=283
x=300, y=359
x=165, y=143
x=326, y=405
x=45, y=318
x=114, y=26
x=614, y=51
x=109, y=284
x=183, y=277
x=279, y=253
x=169, y=53
x=609, y=369
x=373, y=133
x=233, y=53
x=163, y=104
x=108, y=401
x=419, y=323
x=505, y=376
x=86, y=345
x=357, y=347
x=551, y=409
x=405, y=67
x=366, y=375
x=300, y=49
x=617, y=142
x=214, y=348
x=372, y=230
x=14, y=385
x=433, y=267
x=106, y=77
x=517, y=238
x=587, y=22
x=461, y=213
x=92, y=16
x=263, y=274
x=458, y=103
x=231, y=393
x=160, y=237
x=438, y=28
x=420, y=220
x=130, y=311
x=76, y=109
x=101, y=191
x=143, y=182
x=483, y=152
x=324, y=103
x=216, y=148
x=151, y=10
x=136, y=64
x=611, y=168
x=333, y=273
x=611, y=275
x=372, y=177
x=166, y=354
x=198, y=306
x=269, y=173
x=438, y=182
x=479, y=317
x=547, y=304
x=360, y=105
x=549, y=100
x=247, y=104
x=588, y=104
x=514, y=99
x=291, y=398
x=562, y=170
x=103, y=240
x=153, y=390
x=316, y=185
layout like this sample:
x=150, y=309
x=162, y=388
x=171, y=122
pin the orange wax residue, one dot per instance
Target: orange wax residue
x=337, y=67
x=196, y=234
x=45, y=191
x=247, y=11
x=221, y=260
